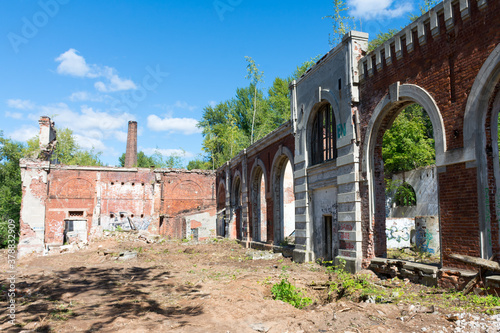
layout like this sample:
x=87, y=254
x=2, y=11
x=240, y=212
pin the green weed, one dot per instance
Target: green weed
x=286, y=292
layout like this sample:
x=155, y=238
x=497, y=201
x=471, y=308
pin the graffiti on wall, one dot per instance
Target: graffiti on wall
x=398, y=232
x=423, y=240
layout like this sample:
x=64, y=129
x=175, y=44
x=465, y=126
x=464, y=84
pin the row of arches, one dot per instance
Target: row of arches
x=260, y=208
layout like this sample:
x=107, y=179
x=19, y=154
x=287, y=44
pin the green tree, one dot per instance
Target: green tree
x=428, y=5
x=224, y=133
x=408, y=144
x=173, y=161
x=157, y=160
x=143, y=161
x=199, y=164
x=255, y=76
x=229, y=126
x=381, y=39
x=10, y=186
x=341, y=23
x=67, y=151
x=304, y=67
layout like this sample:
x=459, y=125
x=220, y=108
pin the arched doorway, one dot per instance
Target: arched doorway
x=283, y=197
x=221, y=210
x=258, y=203
x=237, y=207
x=384, y=115
x=411, y=188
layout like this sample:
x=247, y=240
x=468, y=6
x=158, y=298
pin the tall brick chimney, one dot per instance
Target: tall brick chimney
x=131, y=153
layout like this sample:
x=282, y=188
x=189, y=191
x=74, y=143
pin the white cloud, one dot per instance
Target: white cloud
x=378, y=9
x=167, y=152
x=183, y=125
x=91, y=127
x=115, y=82
x=212, y=103
x=14, y=115
x=21, y=104
x=84, y=96
x=177, y=105
x=120, y=136
x=71, y=63
x=88, y=143
x=24, y=133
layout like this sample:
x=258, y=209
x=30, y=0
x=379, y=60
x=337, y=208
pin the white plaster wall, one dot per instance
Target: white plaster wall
x=325, y=204
x=424, y=182
x=33, y=209
x=398, y=232
x=208, y=225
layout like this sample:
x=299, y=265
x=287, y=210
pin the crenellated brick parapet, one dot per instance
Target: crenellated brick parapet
x=418, y=32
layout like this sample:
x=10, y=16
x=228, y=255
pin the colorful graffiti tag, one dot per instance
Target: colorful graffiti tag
x=398, y=235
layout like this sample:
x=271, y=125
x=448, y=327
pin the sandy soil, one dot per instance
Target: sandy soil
x=186, y=287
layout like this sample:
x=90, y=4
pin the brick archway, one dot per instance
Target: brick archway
x=399, y=97
x=259, y=229
x=481, y=146
x=281, y=158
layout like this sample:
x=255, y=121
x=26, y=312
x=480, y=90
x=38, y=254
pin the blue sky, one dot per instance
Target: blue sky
x=95, y=65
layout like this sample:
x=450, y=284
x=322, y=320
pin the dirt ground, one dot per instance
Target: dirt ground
x=176, y=286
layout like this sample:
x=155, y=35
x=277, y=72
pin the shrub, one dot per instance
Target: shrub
x=286, y=292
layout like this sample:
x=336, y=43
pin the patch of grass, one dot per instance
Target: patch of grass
x=62, y=312
x=286, y=292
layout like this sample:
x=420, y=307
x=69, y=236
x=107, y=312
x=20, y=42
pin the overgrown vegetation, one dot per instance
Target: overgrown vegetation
x=157, y=160
x=10, y=186
x=359, y=287
x=341, y=23
x=286, y=292
x=409, y=143
x=67, y=150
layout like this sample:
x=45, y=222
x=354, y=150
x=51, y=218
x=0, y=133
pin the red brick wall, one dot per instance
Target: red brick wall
x=266, y=155
x=182, y=194
x=446, y=67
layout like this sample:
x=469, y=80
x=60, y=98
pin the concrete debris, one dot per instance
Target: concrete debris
x=260, y=327
x=134, y=236
x=472, y=323
x=127, y=255
x=262, y=255
x=70, y=248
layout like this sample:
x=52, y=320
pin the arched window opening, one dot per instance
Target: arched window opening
x=288, y=205
x=262, y=210
x=405, y=196
x=324, y=132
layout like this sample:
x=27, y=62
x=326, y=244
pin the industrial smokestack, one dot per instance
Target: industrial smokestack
x=131, y=153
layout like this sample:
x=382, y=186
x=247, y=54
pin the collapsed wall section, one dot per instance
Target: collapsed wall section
x=62, y=203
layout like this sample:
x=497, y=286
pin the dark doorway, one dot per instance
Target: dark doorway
x=328, y=238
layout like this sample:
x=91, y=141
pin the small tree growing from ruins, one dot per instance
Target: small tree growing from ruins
x=341, y=23
x=255, y=76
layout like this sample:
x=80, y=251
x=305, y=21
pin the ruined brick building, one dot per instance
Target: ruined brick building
x=447, y=61
x=62, y=202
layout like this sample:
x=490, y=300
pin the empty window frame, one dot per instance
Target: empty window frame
x=324, y=131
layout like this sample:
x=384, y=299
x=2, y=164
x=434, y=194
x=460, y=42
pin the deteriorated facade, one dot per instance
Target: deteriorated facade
x=447, y=61
x=64, y=203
